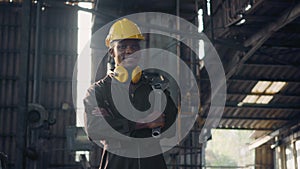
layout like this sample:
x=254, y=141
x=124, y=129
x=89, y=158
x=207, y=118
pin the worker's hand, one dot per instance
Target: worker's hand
x=158, y=122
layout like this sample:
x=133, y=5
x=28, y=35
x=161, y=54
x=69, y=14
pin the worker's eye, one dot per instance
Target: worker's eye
x=134, y=47
x=122, y=47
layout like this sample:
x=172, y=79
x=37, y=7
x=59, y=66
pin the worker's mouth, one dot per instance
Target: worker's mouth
x=130, y=60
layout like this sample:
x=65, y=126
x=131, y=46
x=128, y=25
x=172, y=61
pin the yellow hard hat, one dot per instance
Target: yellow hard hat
x=123, y=29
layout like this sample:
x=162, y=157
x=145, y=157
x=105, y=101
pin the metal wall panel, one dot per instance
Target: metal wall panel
x=264, y=157
x=9, y=54
x=58, y=47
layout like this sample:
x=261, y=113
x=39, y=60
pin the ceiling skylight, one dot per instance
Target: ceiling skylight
x=275, y=87
x=250, y=99
x=260, y=86
x=264, y=99
x=262, y=92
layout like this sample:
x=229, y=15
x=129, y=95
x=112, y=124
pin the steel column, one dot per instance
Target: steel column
x=23, y=86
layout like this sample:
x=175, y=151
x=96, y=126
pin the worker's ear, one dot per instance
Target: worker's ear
x=111, y=52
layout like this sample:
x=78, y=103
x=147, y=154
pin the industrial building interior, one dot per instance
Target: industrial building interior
x=257, y=42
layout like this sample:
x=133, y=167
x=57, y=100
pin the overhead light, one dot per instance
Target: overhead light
x=240, y=104
x=248, y=7
x=257, y=99
x=260, y=89
x=260, y=86
x=250, y=99
x=87, y=5
x=201, y=49
x=241, y=22
x=264, y=99
x=208, y=7
x=275, y=87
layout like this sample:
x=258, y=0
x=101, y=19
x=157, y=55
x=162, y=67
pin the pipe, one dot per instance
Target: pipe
x=37, y=56
x=23, y=83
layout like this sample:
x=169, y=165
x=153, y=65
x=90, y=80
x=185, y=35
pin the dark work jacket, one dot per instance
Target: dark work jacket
x=99, y=106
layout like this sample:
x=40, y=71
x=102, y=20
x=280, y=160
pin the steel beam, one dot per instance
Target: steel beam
x=248, y=78
x=265, y=33
x=244, y=128
x=279, y=95
x=291, y=44
x=37, y=73
x=251, y=118
x=283, y=107
x=285, y=129
x=256, y=79
x=280, y=66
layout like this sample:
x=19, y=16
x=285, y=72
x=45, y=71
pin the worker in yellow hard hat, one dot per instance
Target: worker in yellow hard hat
x=123, y=42
x=117, y=32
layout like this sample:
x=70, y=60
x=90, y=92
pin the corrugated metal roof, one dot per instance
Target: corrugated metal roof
x=277, y=59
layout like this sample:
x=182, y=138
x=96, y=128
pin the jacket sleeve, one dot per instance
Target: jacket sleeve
x=171, y=112
x=100, y=122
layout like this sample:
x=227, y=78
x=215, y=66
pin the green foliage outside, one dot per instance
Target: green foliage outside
x=229, y=148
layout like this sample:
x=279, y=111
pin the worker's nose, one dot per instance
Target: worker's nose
x=129, y=49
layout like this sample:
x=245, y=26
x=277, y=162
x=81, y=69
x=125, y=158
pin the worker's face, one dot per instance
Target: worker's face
x=122, y=52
